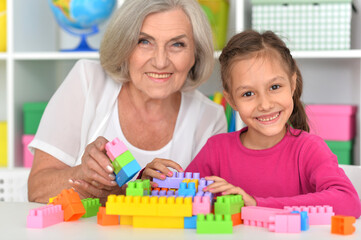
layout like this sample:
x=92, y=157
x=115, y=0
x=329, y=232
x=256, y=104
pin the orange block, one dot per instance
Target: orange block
x=71, y=204
x=236, y=219
x=106, y=220
x=342, y=224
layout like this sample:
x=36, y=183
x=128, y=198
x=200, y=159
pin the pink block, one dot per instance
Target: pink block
x=115, y=148
x=45, y=216
x=318, y=215
x=285, y=223
x=259, y=216
x=332, y=122
x=27, y=155
x=201, y=205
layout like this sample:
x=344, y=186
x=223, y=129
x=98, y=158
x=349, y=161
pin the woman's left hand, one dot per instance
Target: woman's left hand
x=222, y=186
x=87, y=190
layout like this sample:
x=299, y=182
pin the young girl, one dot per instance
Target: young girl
x=274, y=161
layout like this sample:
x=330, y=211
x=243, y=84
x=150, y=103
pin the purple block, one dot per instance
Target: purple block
x=203, y=183
x=175, y=180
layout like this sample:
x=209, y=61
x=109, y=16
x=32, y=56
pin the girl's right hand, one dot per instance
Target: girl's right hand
x=96, y=168
x=158, y=168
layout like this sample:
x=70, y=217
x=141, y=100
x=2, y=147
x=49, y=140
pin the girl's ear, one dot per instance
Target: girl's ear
x=293, y=82
x=229, y=99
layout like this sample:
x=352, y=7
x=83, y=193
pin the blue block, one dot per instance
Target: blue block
x=185, y=190
x=127, y=173
x=190, y=222
x=305, y=225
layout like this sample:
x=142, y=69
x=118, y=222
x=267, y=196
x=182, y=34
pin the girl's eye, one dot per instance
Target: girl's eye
x=274, y=87
x=143, y=41
x=248, y=94
x=178, y=44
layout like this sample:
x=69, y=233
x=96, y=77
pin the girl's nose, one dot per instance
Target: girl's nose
x=160, y=58
x=265, y=103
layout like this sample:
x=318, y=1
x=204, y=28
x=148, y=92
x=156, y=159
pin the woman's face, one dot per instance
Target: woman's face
x=164, y=55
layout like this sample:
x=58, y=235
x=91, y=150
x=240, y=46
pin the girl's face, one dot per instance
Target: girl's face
x=165, y=53
x=261, y=92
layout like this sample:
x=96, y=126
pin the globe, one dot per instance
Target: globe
x=81, y=17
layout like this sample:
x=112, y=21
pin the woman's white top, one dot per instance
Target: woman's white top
x=85, y=107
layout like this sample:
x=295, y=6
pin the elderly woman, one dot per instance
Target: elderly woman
x=153, y=55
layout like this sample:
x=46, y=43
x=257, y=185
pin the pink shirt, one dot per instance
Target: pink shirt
x=298, y=171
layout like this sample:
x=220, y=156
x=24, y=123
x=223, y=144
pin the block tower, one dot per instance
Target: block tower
x=124, y=164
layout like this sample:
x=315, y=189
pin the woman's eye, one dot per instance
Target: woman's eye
x=178, y=44
x=143, y=41
x=274, y=87
x=248, y=94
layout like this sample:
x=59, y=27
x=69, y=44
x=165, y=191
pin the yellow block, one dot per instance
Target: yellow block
x=2, y=25
x=3, y=144
x=126, y=220
x=149, y=206
x=158, y=222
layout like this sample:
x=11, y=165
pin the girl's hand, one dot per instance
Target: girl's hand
x=222, y=186
x=158, y=168
x=86, y=190
x=96, y=168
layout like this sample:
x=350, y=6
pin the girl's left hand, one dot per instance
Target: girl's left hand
x=222, y=186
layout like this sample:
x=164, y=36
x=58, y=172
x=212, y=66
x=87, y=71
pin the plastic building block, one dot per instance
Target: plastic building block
x=236, y=219
x=229, y=204
x=190, y=222
x=318, y=215
x=201, y=205
x=305, y=222
x=185, y=190
x=45, y=216
x=51, y=200
x=176, y=179
x=160, y=193
x=91, y=206
x=195, y=180
x=121, y=161
x=115, y=148
x=342, y=225
x=259, y=216
x=158, y=222
x=71, y=204
x=127, y=173
x=106, y=220
x=149, y=206
x=138, y=188
x=126, y=220
x=203, y=183
x=285, y=223
x=214, y=223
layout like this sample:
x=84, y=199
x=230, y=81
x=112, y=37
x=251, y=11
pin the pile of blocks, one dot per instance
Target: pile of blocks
x=179, y=202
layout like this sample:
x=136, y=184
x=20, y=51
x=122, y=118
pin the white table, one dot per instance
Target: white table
x=13, y=226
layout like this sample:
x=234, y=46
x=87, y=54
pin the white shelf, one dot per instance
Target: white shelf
x=55, y=55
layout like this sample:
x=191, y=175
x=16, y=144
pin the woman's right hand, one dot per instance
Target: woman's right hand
x=158, y=168
x=96, y=168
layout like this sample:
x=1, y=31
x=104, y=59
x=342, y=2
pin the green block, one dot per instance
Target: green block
x=138, y=188
x=343, y=151
x=33, y=111
x=214, y=223
x=122, y=160
x=91, y=206
x=229, y=204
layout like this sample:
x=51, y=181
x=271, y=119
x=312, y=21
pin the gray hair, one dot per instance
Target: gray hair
x=122, y=33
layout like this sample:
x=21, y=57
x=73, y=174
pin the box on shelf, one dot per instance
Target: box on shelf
x=2, y=25
x=332, y=122
x=217, y=13
x=27, y=155
x=306, y=24
x=3, y=144
x=343, y=151
x=33, y=111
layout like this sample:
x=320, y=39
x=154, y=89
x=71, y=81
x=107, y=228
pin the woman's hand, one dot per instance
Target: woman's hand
x=86, y=190
x=222, y=186
x=96, y=169
x=158, y=168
